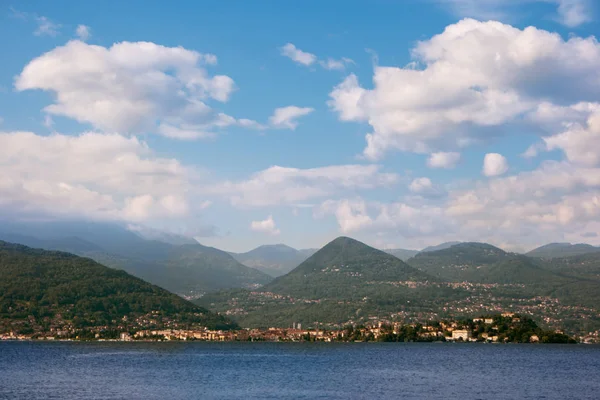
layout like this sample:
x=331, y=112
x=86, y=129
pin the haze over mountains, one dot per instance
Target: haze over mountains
x=275, y=260
x=186, y=269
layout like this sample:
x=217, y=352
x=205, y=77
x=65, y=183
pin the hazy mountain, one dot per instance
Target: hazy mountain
x=40, y=288
x=557, y=250
x=190, y=269
x=440, y=246
x=166, y=237
x=403, y=254
x=275, y=260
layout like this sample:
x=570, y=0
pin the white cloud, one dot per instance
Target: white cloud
x=494, y=164
x=580, y=142
x=476, y=78
x=290, y=186
x=286, y=117
x=356, y=215
x=130, y=87
x=297, y=55
x=48, y=121
x=559, y=201
x=333, y=64
x=265, y=226
x=84, y=32
x=571, y=13
x=446, y=160
x=424, y=187
x=46, y=27
x=308, y=59
x=91, y=175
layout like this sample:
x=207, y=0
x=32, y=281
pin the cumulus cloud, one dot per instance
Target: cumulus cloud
x=83, y=32
x=286, y=117
x=446, y=160
x=297, y=55
x=494, y=164
x=292, y=186
x=91, y=175
x=473, y=80
x=265, y=226
x=356, y=215
x=307, y=59
x=580, y=142
x=424, y=187
x=131, y=87
x=559, y=201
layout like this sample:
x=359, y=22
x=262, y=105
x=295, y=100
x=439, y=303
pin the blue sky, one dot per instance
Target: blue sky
x=400, y=123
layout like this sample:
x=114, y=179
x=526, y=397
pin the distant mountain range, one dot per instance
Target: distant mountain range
x=349, y=282
x=345, y=281
x=46, y=291
x=187, y=269
x=275, y=260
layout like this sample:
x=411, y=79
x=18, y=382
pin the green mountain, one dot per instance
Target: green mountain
x=345, y=281
x=340, y=268
x=403, y=254
x=559, y=250
x=460, y=262
x=189, y=270
x=44, y=291
x=275, y=260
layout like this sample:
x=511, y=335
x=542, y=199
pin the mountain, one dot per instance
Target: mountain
x=275, y=260
x=403, y=254
x=559, y=250
x=44, y=290
x=345, y=281
x=343, y=265
x=189, y=270
x=440, y=246
x=460, y=262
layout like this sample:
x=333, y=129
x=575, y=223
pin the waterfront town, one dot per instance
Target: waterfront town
x=501, y=328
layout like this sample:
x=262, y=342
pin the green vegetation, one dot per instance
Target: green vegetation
x=44, y=291
x=348, y=282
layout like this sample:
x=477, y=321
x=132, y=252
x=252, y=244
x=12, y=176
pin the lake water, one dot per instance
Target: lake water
x=69, y=371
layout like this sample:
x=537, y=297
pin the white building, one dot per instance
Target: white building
x=463, y=334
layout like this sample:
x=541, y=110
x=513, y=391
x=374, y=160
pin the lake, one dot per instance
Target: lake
x=102, y=370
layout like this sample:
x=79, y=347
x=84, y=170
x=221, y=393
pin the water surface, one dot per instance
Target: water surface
x=69, y=371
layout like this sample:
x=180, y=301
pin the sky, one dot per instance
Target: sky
x=402, y=124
